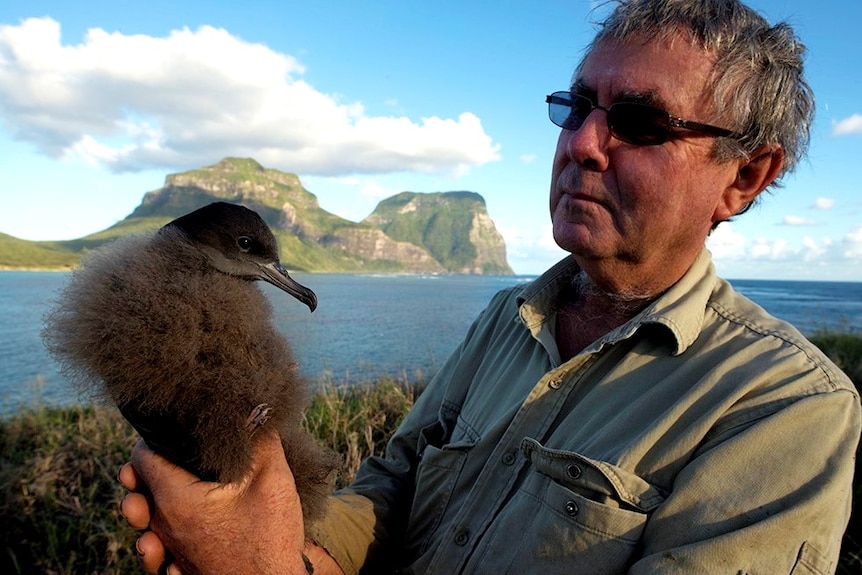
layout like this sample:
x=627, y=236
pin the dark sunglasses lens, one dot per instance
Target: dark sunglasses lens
x=568, y=110
x=638, y=124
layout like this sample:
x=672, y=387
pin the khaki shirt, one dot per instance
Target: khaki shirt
x=703, y=436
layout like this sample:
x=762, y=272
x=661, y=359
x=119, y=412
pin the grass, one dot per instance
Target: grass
x=59, y=497
x=845, y=349
x=357, y=421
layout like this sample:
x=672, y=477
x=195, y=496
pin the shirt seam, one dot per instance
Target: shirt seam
x=828, y=376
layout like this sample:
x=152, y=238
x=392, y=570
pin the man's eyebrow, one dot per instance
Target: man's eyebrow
x=647, y=97
x=582, y=89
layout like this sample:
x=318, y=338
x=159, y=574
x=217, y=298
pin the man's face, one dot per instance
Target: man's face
x=643, y=209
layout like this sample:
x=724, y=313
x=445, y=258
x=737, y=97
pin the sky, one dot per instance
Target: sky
x=101, y=100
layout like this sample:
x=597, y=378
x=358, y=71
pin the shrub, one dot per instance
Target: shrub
x=845, y=349
x=59, y=497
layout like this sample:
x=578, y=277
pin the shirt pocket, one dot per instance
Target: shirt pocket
x=573, y=515
x=436, y=477
x=596, y=480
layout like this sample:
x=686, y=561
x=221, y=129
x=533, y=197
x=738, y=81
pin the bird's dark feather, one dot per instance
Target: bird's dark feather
x=187, y=353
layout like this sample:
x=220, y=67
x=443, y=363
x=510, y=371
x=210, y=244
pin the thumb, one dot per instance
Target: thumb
x=268, y=454
x=269, y=468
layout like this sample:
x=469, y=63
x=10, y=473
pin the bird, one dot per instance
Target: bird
x=172, y=328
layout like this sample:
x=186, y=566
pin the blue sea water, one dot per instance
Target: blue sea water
x=365, y=325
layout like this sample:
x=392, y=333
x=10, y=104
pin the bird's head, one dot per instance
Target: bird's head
x=238, y=242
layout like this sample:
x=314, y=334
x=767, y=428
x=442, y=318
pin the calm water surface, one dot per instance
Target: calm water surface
x=365, y=325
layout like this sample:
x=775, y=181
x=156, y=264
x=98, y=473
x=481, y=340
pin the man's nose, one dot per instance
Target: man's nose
x=588, y=145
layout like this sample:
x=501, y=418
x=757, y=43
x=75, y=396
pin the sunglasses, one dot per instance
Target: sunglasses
x=638, y=124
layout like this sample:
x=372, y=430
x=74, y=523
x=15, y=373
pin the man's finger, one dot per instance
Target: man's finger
x=129, y=478
x=151, y=553
x=135, y=508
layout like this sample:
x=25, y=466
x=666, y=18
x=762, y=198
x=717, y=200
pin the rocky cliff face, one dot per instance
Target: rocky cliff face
x=454, y=227
x=410, y=233
x=490, y=247
x=374, y=245
x=239, y=180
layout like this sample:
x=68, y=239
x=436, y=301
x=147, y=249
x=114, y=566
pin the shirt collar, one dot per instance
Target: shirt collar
x=680, y=310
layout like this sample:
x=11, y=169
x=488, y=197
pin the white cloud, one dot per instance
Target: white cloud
x=851, y=125
x=531, y=249
x=735, y=255
x=768, y=249
x=725, y=243
x=727, y=246
x=373, y=190
x=528, y=158
x=796, y=221
x=823, y=204
x=812, y=250
x=138, y=102
x=851, y=244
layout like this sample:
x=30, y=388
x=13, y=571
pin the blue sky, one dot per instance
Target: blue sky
x=100, y=100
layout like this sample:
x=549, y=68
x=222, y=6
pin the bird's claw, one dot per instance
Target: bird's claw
x=257, y=417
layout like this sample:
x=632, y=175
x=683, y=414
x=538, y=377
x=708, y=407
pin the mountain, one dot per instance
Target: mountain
x=444, y=232
x=454, y=227
x=16, y=253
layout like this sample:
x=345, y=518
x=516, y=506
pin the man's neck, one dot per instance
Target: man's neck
x=626, y=304
x=586, y=312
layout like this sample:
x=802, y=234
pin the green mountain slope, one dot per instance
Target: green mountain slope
x=413, y=233
x=453, y=226
x=16, y=253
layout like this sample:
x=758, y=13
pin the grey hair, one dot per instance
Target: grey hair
x=757, y=82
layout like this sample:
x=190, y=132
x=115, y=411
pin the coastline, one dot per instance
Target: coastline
x=20, y=269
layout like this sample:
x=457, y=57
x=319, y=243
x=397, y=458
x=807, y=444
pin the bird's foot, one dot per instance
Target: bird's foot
x=257, y=417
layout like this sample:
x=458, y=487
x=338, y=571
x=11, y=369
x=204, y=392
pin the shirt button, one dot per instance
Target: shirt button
x=461, y=537
x=555, y=383
x=573, y=471
x=571, y=508
x=508, y=458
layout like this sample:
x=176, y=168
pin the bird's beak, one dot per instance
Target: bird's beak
x=275, y=274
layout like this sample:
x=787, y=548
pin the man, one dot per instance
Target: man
x=628, y=412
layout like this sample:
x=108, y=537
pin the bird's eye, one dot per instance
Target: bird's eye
x=245, y=243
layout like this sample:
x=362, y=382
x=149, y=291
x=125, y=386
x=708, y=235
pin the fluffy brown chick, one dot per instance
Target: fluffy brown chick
x=171, y=327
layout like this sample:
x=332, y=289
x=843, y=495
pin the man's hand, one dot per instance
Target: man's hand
x=253, y=526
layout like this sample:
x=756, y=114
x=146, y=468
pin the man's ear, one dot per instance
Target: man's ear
x=753, y=175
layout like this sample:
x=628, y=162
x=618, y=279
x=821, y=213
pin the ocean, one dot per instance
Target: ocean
x=365, y=325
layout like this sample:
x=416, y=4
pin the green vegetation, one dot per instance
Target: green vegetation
x=845, y=349
x=59, y=498
x=311, y=239
x=17, y=253
x=357, y=421
x=438, y=222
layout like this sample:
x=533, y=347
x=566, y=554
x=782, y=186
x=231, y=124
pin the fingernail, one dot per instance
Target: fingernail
x=138, y=547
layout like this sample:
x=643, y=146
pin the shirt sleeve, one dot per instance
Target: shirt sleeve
x=367, y=521
x=772, y=496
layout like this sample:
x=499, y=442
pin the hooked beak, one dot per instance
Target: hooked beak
x=275, y=274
